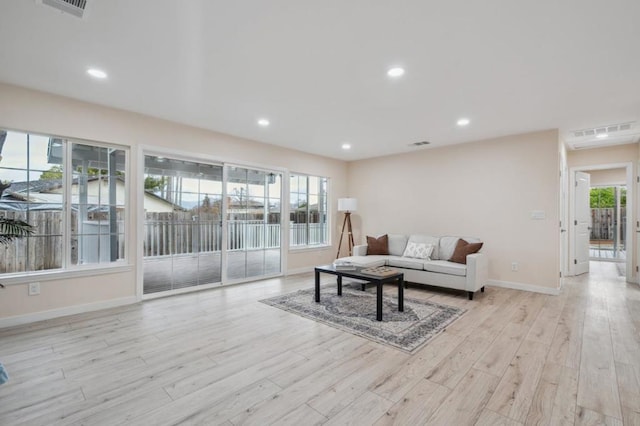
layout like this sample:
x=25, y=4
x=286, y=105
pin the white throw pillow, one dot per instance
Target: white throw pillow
x=418, y=250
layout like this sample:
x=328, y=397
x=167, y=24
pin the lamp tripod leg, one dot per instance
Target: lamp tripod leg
x=342, y=235
x=350, y=230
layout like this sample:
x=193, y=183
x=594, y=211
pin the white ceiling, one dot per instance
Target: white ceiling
x=317, y=69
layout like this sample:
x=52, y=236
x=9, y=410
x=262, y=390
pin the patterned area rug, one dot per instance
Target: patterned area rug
x=355, y=312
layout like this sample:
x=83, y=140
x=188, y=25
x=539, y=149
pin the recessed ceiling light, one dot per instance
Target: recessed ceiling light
x=263, y=122
x=602, y=136
x=96, y=73
x=395, y=72
x=463, y=122
x=346, y=146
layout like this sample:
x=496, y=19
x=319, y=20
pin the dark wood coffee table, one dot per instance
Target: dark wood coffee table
x=357, y=274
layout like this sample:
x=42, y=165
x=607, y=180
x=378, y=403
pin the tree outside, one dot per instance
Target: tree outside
x=606, y=197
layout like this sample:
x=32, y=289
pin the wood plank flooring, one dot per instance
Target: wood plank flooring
x=221, y=357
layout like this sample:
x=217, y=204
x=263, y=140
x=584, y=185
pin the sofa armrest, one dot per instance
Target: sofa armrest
x=477, y=271
x=360, y=250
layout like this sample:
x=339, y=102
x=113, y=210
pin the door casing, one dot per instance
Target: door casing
x=631, y=215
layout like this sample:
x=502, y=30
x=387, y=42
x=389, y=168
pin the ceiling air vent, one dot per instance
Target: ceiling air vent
x=612, y=128
x=421, y=143
x=72, y=7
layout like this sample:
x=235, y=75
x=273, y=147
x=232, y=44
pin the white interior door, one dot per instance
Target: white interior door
x=564, y=217
x=582, y=223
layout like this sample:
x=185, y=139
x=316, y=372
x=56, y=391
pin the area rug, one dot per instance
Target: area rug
x=355, y=312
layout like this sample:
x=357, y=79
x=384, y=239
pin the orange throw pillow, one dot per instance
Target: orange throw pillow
x=378, y=245
x=464, y=248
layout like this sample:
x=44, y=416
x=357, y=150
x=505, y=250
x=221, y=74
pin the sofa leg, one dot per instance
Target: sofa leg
x=470, y=295
x=482, y=289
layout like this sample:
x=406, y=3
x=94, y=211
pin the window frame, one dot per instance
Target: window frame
x=327, y=234
x=68, y=269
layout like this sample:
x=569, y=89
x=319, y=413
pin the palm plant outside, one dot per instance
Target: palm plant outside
x=12, y=229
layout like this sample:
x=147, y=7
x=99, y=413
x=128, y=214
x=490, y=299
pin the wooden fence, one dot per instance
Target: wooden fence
x=44, y=249
x=603, y=224
x=39, y=252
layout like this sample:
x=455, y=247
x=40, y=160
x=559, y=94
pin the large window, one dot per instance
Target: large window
x=308, y=211
x=73, y=194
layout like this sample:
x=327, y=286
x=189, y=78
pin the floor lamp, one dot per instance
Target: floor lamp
x=347, y=205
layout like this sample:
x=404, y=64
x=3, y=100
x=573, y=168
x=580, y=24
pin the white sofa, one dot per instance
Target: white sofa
x=436, y=271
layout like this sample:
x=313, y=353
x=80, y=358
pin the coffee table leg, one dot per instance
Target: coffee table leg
x=317, y=286
x=401, y=294
x=379, y=302
x=339, y=285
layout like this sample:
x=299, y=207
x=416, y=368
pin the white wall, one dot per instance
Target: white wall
x=608, y=177
x=37, y=112
x=486, y=189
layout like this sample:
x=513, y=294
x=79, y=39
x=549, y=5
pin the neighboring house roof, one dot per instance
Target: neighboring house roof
x=42, y=192
x=159, y=198
x=36, y=186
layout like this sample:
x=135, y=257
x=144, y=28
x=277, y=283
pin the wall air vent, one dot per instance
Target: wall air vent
x=421, y=143
x=72, y=7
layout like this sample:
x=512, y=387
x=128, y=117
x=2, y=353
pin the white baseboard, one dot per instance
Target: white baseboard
x=62, y=312
x=525, y=287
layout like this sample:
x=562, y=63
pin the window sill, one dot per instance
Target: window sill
x=59, y=275
x=309, y=248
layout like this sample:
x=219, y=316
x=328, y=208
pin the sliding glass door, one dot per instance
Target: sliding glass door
x=185, y=204
x=608, y=223
x=183, y=224
x=253, y=223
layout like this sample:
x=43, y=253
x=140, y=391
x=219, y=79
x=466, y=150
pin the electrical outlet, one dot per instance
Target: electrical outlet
x=514, y=266
x=34, y=289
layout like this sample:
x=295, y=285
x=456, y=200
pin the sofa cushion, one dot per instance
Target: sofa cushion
x=427, y=239
x=405, y=262
x=445, y=267
x=447, y=247
x=378, y=245
x=418, y=250
x=464, y=248
x=397, y=244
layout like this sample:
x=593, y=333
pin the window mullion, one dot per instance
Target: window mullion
x=67, y=177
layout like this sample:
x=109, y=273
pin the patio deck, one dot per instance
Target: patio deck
x=164, y=273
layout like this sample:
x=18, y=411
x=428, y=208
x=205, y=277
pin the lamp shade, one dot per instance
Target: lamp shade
x=347, y=204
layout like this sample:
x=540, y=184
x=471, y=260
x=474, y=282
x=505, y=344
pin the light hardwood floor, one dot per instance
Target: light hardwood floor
x=221, y=357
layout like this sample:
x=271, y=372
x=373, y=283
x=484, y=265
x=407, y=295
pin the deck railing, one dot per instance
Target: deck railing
x=603, y=224
x=166, y=234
